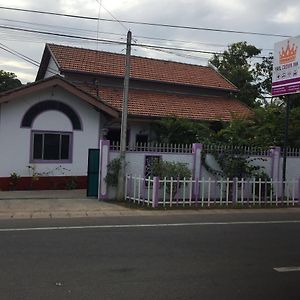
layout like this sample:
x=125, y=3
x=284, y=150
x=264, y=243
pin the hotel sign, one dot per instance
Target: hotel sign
x=286, y=67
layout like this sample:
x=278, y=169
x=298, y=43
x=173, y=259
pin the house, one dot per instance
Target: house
x=47, y=127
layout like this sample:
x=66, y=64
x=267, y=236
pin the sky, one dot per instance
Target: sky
x=264, y=16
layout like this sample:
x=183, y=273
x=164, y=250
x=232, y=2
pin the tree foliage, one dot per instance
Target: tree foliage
x=8, y=81
x=235, y=64
x=181, y=131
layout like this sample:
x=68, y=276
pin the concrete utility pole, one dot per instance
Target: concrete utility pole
x=121, y=178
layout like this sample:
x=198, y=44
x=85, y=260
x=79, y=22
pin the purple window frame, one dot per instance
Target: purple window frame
x=50, y=161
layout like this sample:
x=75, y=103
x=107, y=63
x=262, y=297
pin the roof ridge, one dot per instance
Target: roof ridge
x=136, y=56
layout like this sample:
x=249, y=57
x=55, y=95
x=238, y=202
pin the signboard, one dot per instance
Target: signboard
x=286, y=67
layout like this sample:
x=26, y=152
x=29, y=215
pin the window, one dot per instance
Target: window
x=51, y=146
x=141, y=138
x=113, y=135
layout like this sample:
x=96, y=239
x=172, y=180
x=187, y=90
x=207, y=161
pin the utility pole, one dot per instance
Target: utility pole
x=121, y=177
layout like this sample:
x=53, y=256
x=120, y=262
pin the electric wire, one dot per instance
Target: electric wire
x=100, y=2
x=121, y=35
x=114, y=41
x=24, y=57
x=148, y=23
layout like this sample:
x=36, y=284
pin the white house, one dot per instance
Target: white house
x=47, y=127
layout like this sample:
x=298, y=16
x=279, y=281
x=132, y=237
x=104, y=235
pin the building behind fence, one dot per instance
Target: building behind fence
x=204, y=185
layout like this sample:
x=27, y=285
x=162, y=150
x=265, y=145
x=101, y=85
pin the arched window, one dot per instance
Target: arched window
x=43, y=106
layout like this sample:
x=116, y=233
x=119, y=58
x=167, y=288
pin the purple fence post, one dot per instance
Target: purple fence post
x=234, y=190
x=155, y=194
x=299, y=191
x=196, y=191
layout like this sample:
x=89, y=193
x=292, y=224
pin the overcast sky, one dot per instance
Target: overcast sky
x=266, y=16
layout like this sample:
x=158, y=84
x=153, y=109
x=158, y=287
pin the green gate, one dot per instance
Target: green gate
x=93, y=173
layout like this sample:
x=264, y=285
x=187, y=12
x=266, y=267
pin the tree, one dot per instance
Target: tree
x=235, y=65
x=8, y=81
x=263, y=74
x=181, y=131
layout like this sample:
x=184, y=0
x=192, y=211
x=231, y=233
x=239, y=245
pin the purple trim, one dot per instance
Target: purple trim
x=234, y=191
x=282, y=82
x=287, y=89
x=155, y=195
x=43, y=161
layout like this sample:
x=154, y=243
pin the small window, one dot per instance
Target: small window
x=141, y=138
x=51, y=147
x=113, y=135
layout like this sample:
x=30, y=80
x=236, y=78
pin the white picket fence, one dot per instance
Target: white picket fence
x=209, y=192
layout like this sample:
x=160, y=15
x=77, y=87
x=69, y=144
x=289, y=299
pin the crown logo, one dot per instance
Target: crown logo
x=287, y=55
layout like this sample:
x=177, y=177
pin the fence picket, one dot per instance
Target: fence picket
x=221, y=191
x=164, y=192
x=188, y=191
x=171, y=191
x=227, y=191
x=208, y=192
x=183, y=195
x=191, y=191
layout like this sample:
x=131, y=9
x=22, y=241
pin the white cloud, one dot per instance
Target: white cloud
x=289, y=16
x=15, y=64
x=274, y=16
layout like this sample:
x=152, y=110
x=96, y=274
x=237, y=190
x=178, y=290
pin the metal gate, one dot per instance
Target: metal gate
x=93, y=173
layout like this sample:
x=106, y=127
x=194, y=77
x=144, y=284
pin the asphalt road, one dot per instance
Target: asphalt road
x=201, y=257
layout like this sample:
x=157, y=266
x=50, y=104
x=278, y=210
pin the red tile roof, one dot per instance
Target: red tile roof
x=157, y=104
x=74, y=59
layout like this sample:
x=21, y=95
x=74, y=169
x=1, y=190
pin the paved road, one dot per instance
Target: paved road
x=212, y=257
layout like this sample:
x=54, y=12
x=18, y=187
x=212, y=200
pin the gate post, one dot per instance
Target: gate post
x=103, y=162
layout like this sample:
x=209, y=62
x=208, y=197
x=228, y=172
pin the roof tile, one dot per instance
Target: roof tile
x=106, y=63
x=157, y=104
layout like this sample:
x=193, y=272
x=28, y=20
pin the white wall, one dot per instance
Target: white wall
x=52, y=69
x=135, y=161
x=292, y=168
x=15, y=141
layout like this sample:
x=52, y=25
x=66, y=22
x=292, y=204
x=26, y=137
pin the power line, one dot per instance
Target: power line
x=113, y=33
x=100, y=3
x=24, y=57
x=112, y=41
x=62, y=35
x=148, y=23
